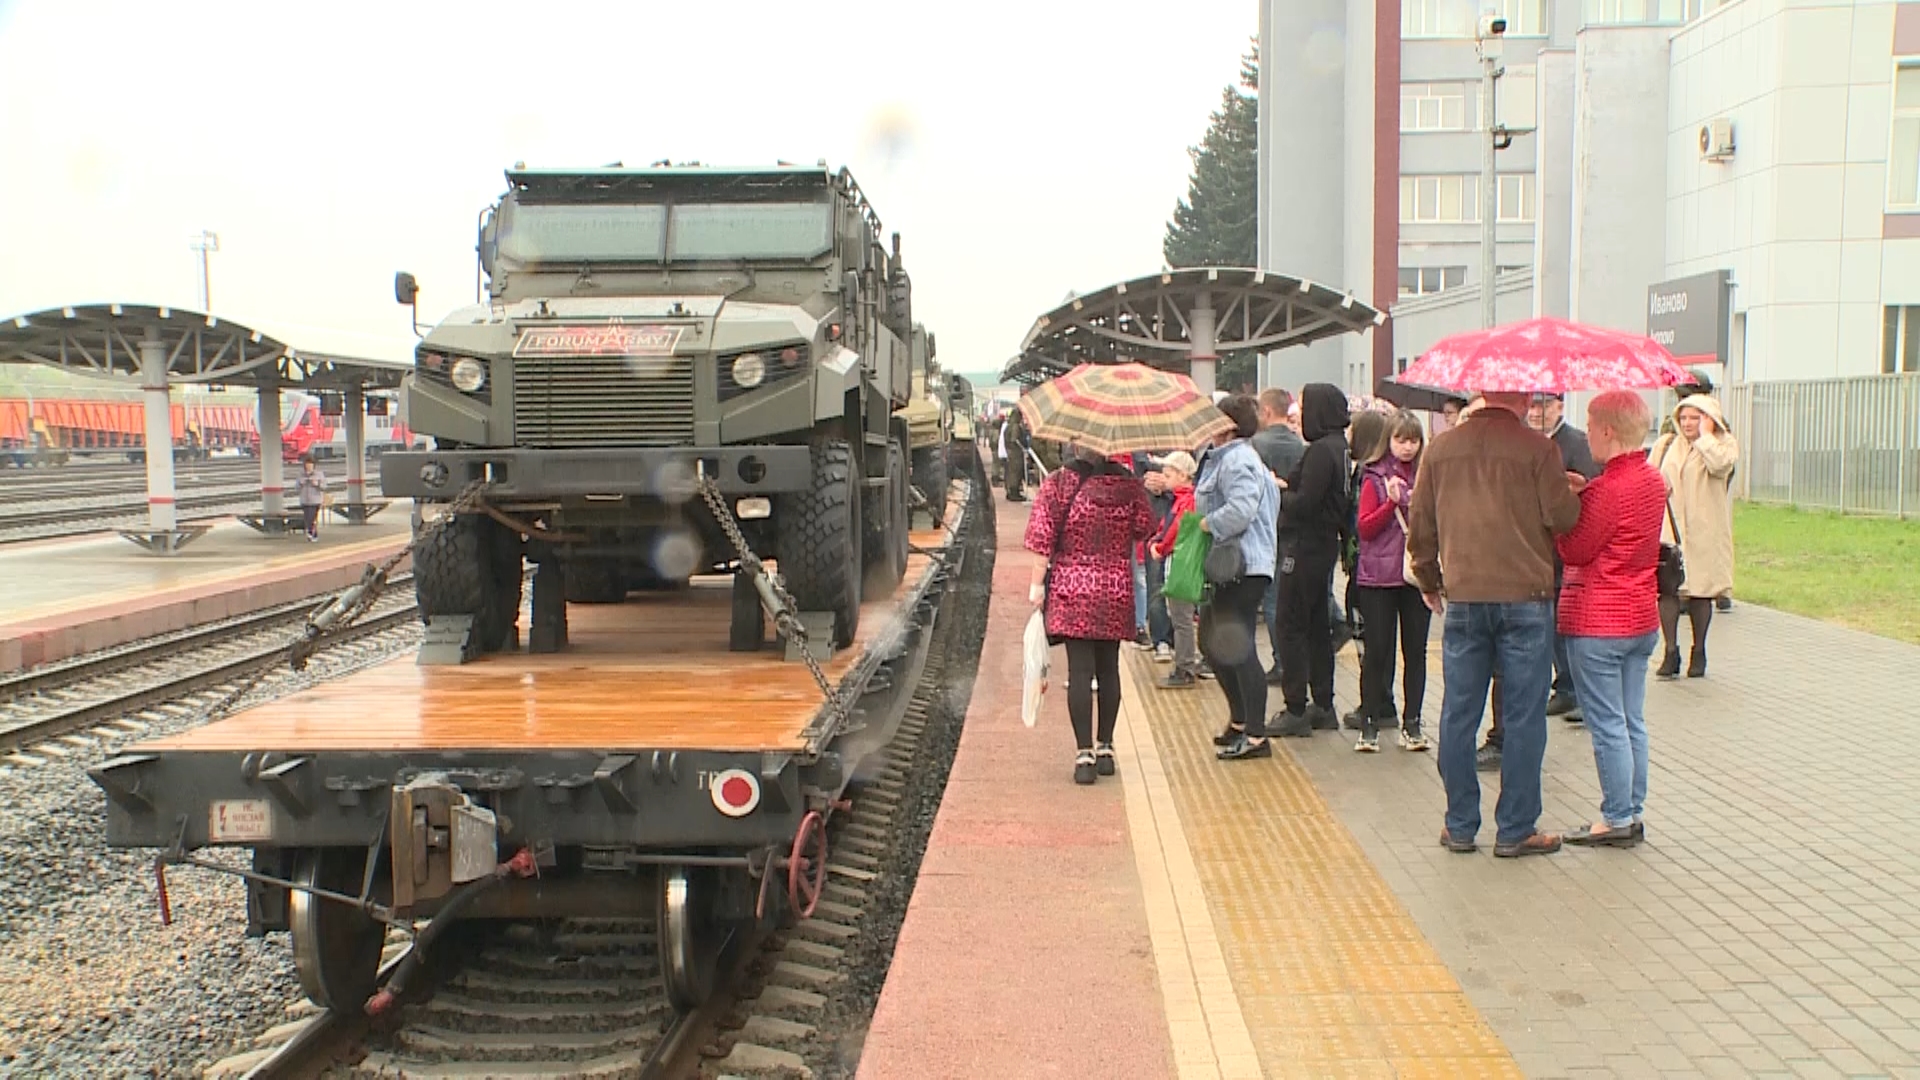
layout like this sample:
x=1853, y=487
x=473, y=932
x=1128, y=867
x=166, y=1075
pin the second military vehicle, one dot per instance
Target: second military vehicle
x=647, y=333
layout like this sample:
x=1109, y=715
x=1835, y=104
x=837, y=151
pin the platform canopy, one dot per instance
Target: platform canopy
x=1176, y=317
x=105, y=339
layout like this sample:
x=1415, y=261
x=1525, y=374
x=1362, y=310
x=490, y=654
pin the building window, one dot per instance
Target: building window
x=1516, y=197
x=1433, y=107
x=1899, y=340
x=1437, y=18
x=1525, y=18
x=1644, y=12
x=1442, y=199
x=1903, y=159
x=1423, y=280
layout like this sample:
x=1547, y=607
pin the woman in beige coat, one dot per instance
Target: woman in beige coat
x=1697, y=459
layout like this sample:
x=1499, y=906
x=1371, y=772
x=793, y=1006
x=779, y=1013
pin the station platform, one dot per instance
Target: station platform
x=70, y=596
x=1296, y=917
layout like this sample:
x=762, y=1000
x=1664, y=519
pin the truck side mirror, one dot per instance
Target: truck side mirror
x=405, y=289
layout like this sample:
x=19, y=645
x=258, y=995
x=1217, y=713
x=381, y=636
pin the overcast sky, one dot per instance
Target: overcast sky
x=1021, y=149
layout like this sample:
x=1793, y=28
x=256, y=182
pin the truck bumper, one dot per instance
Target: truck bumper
x=513, y=472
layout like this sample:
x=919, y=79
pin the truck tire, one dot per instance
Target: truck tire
x=595, y=581
x=463, y=569
x=887, y=530
x=818, y=541
x=930, y=476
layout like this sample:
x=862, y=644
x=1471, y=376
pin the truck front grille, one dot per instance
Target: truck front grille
x=603, y=401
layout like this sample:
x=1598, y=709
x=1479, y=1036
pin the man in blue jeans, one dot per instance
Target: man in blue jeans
x=1492, y=496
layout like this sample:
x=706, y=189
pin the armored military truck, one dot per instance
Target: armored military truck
x=929, y=417
x=645, y=331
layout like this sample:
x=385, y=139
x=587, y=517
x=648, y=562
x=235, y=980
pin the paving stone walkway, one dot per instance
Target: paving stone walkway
x=1770, y=926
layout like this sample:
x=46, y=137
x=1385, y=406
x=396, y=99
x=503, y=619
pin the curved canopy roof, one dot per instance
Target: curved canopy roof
x=1160, y=318
x=104, y=339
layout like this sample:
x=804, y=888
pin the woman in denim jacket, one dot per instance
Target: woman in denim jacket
x=1240, y=503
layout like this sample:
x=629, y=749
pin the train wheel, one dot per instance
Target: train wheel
x=691, y=935
x=336, y=948
x=807, y=866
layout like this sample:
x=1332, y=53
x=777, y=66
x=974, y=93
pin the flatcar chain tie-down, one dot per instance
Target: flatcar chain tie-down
x=340, y=613
x=786, y=619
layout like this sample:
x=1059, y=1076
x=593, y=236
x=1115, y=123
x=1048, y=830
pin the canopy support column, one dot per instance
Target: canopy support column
x=1204, y=356
x=272, y=489
x=356, y=425
x=159, y=424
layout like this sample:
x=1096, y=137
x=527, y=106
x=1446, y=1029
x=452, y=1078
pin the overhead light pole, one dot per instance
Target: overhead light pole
x=1490, y=39
x=206, y=244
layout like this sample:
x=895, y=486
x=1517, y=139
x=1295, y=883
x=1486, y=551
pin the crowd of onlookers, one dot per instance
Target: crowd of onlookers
x=1556, y=559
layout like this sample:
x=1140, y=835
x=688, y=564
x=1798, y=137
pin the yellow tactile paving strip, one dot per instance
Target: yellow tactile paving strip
x=1329, y=973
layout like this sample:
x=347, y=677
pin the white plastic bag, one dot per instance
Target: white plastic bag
x=1035, y=689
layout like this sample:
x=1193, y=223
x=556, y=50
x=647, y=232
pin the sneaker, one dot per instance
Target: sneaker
x=1560, y=704
x=1369, y=737
x=1103, y=760
x=1163, y=653
x=1487, y=759
x=1244, y=749
x=1273, y=676
x=1179, y=679
x=1355, y=720
x=1141, y=641
x=1321, y=718
x=1230, y=736
x=1574, y=715
x=1286, y=725
x=1083, y=768
x=1411, y=737
x=1205, y=671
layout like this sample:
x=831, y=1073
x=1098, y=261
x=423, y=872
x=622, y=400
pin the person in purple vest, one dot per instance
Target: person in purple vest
x=1393, y=614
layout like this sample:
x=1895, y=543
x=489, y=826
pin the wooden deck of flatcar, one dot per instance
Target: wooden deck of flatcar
x=653, y=673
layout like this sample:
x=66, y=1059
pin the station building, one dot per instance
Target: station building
x=1740, y=179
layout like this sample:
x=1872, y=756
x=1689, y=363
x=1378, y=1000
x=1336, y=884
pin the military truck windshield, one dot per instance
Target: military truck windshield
x=637, y=233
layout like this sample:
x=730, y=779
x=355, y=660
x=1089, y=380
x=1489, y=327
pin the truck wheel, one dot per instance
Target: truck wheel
x=596, y=582
x=818, y=541
x=887, y=530
x=930, y=476
x=469, y=566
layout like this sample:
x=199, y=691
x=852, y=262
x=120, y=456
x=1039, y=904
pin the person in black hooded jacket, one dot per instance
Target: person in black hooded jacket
x=1314, y=509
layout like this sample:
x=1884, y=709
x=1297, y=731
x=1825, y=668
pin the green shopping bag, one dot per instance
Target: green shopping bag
x=1186, y=572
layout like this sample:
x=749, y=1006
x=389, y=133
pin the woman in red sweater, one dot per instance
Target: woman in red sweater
x=1610, y=609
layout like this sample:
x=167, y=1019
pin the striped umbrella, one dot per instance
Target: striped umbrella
x=1122, y=408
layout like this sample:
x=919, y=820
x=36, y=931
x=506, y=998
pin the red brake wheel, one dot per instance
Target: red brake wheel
x=807, y=865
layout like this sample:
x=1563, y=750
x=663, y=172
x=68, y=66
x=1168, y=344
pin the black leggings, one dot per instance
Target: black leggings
x=1384, y=610
x=1306, y=628
x=310, y=518
x=1086, y=662
x=1699, y=613
x=1226, y=637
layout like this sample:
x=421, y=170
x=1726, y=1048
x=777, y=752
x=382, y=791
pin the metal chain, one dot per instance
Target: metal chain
x=787, y=620
x=350, y=606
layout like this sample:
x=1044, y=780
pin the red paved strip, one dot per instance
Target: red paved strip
x=1025, y=949
x=43, y=639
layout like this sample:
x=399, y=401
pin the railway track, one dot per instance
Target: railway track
x=70, y=482
x=42, y=709
x=584, y=1000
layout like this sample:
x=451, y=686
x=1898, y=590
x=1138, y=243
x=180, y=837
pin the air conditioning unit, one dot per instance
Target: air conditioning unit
x=1716, y=140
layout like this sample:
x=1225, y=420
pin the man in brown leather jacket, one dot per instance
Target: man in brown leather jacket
x=1491, y=496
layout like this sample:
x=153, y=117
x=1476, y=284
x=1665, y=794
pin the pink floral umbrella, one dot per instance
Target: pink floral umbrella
x=1546, y=355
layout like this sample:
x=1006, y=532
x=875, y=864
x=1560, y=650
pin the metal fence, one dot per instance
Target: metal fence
x=1833, y=444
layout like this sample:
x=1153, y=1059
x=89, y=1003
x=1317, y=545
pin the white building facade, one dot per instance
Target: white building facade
x=1748, y=170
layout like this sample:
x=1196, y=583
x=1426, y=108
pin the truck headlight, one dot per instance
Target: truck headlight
x=749, y=370
x=467, y=375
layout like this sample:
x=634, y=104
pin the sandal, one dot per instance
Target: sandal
x=1233, y=734
x=1625, y=836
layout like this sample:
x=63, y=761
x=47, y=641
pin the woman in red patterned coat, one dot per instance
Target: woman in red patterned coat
x=1086, y=518
x=1610, y=609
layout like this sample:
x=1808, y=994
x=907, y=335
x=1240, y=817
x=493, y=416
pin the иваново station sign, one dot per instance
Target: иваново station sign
x=1689, y=316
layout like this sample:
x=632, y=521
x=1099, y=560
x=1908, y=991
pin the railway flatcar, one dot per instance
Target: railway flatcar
x=640, y=770
x=53, y=431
